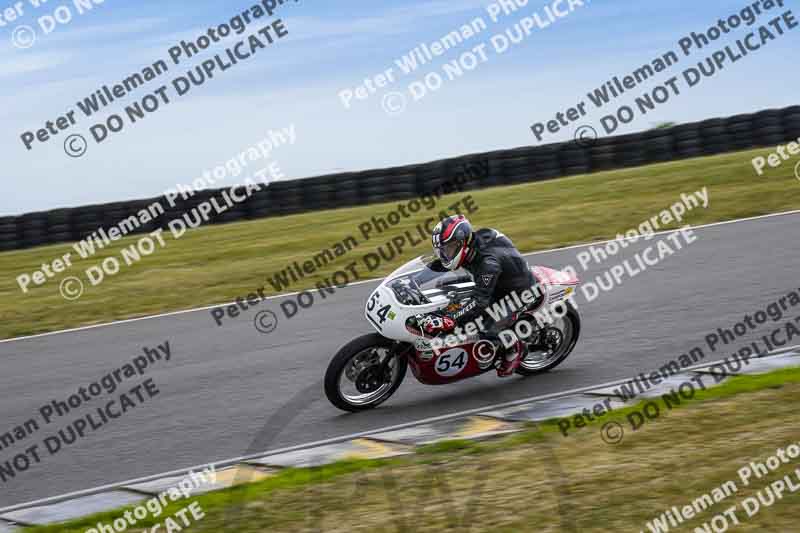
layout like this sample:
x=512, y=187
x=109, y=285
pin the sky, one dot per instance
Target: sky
x=332, y=47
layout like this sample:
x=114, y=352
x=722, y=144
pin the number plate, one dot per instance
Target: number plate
x=451, y=362
x=377, y=312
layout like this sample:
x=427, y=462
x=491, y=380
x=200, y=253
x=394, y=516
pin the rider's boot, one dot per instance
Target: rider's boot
x=509, y=359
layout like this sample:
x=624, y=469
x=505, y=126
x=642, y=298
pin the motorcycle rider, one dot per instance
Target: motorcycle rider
x=497, y=269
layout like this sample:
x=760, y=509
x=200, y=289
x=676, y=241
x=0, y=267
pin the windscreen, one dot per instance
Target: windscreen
x=417, y=283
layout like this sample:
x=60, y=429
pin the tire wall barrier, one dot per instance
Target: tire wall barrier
x=520, y=165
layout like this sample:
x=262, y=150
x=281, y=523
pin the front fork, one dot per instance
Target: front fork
x=398, y=349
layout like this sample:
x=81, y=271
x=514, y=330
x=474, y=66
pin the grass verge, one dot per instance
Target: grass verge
x=215, y=264
x=536, y=480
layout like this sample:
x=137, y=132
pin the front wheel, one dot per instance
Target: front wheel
x=553, y=344
x=364, y=373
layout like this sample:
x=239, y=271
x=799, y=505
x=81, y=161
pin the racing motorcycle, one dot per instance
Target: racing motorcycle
x=369, y=369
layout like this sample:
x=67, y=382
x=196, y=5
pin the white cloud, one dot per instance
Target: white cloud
x=394, y=21
x=18, y=64
x=117, y=29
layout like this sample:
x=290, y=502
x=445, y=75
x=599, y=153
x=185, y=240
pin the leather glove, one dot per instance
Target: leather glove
x=434, y=324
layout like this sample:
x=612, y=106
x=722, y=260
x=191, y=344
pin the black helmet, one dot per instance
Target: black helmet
x=451, y=241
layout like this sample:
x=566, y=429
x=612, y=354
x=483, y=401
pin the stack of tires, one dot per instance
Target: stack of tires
x=496, y=171
x=179, y=209
x=688, y=142
x=768, y=128
x=469, y=172
x=115, y=213
x=791, y=123
x=534, y=164
x=260, y=204
x=546, y=163
x=518, y=168
x=714, y=136
x=659, y=145
x=402, y=184
x=574, y=158
x=33, y=229
x=233, y=213
x=320, y=193
x=387, y=185
x=136, y=206
x=430, y=177
x=86, y=220
x=287, y=197
x=59, y=226
x=740, y=129
x=9, y=234
x=602, y=153
x=629, y=151
x=347, y=189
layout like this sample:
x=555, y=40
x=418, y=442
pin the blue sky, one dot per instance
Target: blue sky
x=333, y=46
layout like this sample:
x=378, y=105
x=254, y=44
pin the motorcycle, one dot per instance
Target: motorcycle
x=369, y=369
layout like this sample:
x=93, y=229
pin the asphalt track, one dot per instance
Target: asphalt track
x=230, y=391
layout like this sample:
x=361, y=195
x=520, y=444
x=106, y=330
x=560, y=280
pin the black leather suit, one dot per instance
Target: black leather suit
x=497, y=268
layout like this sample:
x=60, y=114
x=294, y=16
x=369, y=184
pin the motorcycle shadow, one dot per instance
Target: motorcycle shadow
x=430, y=400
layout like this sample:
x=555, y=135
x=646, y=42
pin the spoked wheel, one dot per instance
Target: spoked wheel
x=552, y=344
x=365, y=373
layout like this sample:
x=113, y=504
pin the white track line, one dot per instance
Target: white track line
x=283, y=295
x=334, y=440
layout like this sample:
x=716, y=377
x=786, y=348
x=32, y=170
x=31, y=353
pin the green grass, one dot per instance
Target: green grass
x=731, y=387
x=287, y=479
x=576, y=483
x=215, y=264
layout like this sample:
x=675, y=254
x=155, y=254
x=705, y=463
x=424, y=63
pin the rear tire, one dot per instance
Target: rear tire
x=575, y=321
x=342, y=360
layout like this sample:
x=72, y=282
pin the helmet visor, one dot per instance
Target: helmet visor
x=449, y=250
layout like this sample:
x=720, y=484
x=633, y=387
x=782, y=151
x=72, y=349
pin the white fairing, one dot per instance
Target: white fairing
x=388, y=314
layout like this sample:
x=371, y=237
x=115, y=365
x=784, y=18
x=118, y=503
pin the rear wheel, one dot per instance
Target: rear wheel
x=365, y=373
x=552, y=344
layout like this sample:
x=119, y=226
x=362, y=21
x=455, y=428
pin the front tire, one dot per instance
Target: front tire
x=356, y=362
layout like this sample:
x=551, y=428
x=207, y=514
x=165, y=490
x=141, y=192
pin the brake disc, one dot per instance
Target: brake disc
x=369, y=380
x=360, y=363
x=553, y=337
